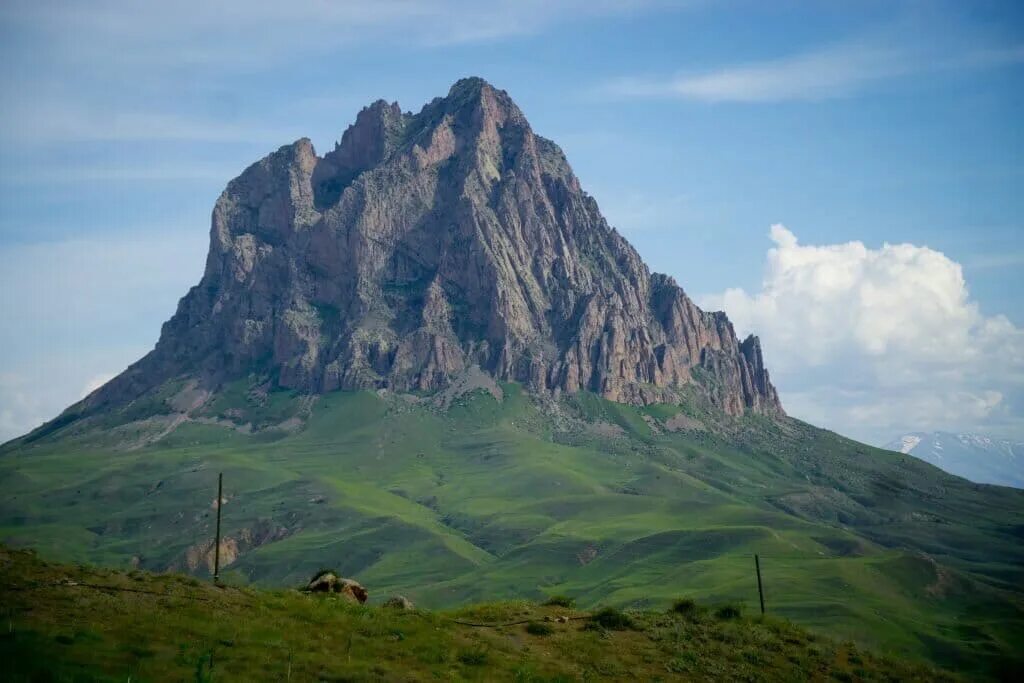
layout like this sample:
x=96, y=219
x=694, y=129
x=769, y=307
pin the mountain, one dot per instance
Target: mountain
x=426, y=360
x=423, y=246
x=978, y=458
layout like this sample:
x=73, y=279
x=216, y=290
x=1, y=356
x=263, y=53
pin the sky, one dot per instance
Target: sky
x=844, y=179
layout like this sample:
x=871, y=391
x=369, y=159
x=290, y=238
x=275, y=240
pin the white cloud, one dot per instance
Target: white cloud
x=55, y=121
x=876, y=341
x=830, y=72
x=191, y=32
x=77, y=312
x=1006, y=259
x=37, y=388
x=96, y=382
x=54, y=173
x=68, y=69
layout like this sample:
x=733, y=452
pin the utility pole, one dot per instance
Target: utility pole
x=216, y=545
x=760, y=590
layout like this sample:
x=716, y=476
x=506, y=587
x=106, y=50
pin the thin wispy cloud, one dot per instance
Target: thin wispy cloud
x=1011, y=259
x=61, y=122
x=252, y=32
x=110, y=70
x=102, y=173
x=831, y=72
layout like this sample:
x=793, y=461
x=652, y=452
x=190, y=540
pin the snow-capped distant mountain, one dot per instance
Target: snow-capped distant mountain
x=978, y=458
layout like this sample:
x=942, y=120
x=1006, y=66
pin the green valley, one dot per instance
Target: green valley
x=517, y=497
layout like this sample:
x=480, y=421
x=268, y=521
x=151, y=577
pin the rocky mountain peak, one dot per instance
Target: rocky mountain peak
x=424, y=246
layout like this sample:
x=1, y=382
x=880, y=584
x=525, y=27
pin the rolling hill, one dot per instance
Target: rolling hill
x=492, y=499
x=425, y=359
x=74, y=623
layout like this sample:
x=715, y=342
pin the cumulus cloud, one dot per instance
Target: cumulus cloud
x=876, y=341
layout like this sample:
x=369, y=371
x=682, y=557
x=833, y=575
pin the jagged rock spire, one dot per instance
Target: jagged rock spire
x=423, y=245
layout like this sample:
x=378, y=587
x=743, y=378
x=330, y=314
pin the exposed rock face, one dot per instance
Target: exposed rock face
x=424, y=245
x=231, y=547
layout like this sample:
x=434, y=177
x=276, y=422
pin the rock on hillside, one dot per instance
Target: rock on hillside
x=425, y=245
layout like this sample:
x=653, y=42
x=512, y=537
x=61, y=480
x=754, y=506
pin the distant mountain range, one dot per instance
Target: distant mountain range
x=979, y=458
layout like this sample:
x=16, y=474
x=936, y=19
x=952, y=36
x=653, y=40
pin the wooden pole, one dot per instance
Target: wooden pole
x=216, y=546
x=760, y=589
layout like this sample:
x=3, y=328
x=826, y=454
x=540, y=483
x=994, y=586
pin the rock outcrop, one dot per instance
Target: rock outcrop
x=424, y=245
x=329, y=582
x=399, y=602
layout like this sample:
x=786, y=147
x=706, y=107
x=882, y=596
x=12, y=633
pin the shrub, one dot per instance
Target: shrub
x=539, y=628
x=728, y=612
x=560, y=601
x=611, y=618
x=685, y=606
x=474, y=657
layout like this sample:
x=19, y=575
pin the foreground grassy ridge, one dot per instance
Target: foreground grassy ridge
x=498, y=500
x=78, y=624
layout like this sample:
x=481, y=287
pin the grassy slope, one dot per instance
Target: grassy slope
x=73, y=623
x=501, y=500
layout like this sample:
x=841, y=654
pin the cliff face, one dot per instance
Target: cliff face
x=423, y=245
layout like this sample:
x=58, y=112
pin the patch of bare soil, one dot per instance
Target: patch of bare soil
x=469, y=381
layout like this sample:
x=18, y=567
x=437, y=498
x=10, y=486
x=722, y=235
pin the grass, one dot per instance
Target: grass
x=729, y=612
x=74, y=623
x=492, y=500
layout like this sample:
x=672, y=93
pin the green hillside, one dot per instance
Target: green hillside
x=490, y=500
x=66, y=623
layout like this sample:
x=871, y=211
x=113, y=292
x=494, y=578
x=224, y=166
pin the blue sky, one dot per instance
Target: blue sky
x=885, y=137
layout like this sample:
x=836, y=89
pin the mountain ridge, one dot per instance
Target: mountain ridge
x=426, y=244
x=976, y=457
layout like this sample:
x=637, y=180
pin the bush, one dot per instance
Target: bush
x=539, y=628
x=728, y=612
x=560, y=601
x=685, y=606
x=474, y=657
x=611, y=618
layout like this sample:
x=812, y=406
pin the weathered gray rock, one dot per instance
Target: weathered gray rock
x=329, y=582
x=399, y=602
x=427, y=244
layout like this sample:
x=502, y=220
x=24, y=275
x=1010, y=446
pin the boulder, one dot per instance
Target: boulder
x=329, y=582
x=399, y=602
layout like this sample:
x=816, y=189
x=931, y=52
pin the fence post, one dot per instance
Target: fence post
x=216, y=546
x=760, y=589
